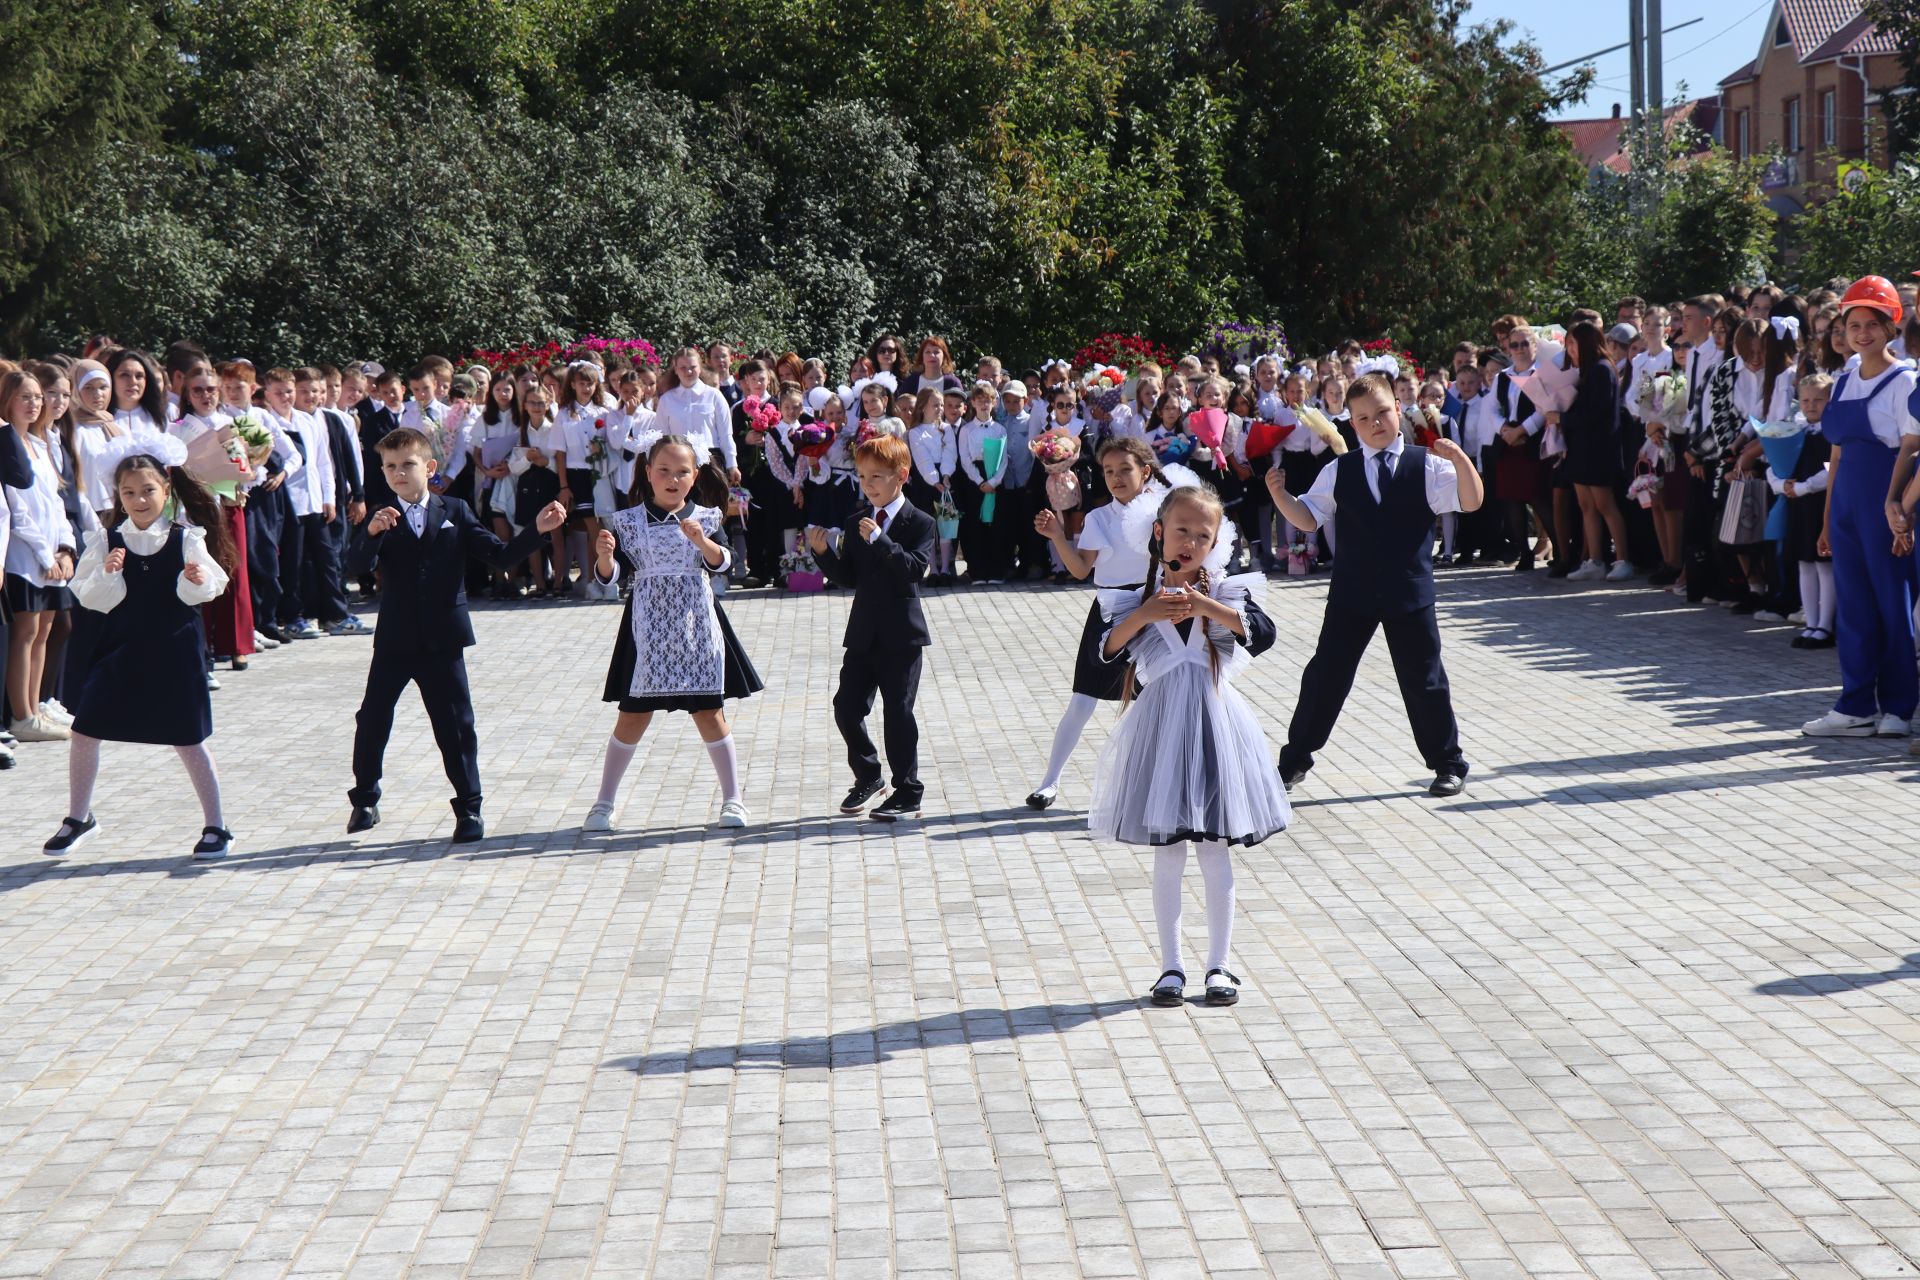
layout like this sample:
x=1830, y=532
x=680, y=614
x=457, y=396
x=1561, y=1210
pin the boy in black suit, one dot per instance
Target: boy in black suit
x=421, y=545
x=882, y=554
x=1383, y=499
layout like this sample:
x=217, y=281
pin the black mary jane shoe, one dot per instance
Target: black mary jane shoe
x=1169, y=995
x=215, y=843
x=1042, y=799
x=1224, y=992
x=73, y=833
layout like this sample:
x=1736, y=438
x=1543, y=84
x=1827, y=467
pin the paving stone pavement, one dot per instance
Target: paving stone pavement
x=1643, y=1002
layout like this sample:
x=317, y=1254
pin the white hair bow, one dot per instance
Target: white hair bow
x=1787, y=327
x=1377, y=364
x=817, y=399
x=1055, y=364
x=163, y=449
x=575, y=366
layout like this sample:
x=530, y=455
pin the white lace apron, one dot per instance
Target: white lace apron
x=677, y=648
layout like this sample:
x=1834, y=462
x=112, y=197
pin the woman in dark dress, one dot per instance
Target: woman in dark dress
x=1590, y=427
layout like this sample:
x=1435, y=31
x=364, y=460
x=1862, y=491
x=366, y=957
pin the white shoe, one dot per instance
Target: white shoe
x=213, y=682
x=1622, y=571
x=599, y=818
x=1835, y=725
x=37, y=728
x=1892, y=727
x=263, y=643
x=58, y=714
x=733, y=814
x=1798, y=617
x=1768, y=615
x=1590, y=571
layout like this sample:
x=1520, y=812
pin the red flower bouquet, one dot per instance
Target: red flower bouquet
x=1124, y=351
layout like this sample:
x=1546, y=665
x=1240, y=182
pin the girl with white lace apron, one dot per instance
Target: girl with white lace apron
x=1188, y=763
x=675, y=650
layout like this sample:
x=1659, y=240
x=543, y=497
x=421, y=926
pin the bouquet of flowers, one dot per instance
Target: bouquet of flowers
x=1126, y=352
x=1426, y=421
x=1105, y=385
x=254, y=439
x=1668, y=397
x=1057, y=450
x=1243, y=341
x=541, y=354
x=761, y=414
x=946, y=516
x=812, y=439
x=1177, y=448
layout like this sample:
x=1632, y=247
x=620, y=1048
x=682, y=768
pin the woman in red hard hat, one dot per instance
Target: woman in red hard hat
x=1870, y=425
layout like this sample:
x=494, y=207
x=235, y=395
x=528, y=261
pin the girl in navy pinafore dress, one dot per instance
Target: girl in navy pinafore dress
x=146, y=581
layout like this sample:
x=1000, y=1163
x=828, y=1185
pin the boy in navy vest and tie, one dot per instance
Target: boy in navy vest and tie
x=882, y=554
x=421, y=544
x=1383, y=499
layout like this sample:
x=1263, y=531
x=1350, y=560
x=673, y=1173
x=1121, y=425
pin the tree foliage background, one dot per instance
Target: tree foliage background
x=338, y=178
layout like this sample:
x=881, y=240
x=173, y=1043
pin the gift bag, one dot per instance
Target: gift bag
x=1744, y=521
x=991, y=451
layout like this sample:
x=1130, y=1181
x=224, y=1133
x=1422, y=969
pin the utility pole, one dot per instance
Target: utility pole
x=1637, y=59
x=1656, y=90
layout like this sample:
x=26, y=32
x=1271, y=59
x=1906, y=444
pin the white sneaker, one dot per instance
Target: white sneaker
x=213, y=682
x=263, y=643
x=1590, y=571
x=58, y=714
x=1798, y=617
x=733, y=814
x=1835, y=725
x=1622, y=571
x=1768, y=615
x=1892, y=727
x=599, y=818
x=37, y=728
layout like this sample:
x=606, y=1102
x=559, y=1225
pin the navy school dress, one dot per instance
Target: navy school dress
x=147, y=679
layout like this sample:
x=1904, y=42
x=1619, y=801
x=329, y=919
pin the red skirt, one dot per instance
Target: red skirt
x=1519, y=475
x=229, y=616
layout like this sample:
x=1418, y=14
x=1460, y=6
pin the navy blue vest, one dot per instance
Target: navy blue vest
x=1383, y=551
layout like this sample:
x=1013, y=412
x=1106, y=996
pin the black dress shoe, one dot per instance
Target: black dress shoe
x=901, y=804
x=1169, y=995
x=467, y=828
x=1293, y=779
x=856, y=801
x=1224, y=992
x=364, y=818
x=1523, y=565
x=1042, y=799
x=1447, y=784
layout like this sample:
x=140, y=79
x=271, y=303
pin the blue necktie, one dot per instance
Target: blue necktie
x=1385, y=460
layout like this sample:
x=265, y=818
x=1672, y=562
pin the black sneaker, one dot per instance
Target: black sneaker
x=72, y=834
x=901, y=804
x=856, y=801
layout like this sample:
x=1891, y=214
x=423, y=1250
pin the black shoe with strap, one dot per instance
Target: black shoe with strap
x=1224, y=992
x=215, y=843
x=1166, y=994
x=73, y=833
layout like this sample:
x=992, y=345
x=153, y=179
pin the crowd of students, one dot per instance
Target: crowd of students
x=1755, y=452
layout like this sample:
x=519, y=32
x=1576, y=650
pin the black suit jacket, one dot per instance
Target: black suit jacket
x=347, y=486
x=885, y=576
x=423, y=581
x=375, y=421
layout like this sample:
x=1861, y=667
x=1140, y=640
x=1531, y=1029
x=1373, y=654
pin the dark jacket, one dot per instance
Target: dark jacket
x=885, y=576
x=347, y=462
x=423, y=581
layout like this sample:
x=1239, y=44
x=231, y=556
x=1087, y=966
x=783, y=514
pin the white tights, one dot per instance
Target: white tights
x=1073, y=722
x=1216, y=869
x=83, y=770
x=1817, y=600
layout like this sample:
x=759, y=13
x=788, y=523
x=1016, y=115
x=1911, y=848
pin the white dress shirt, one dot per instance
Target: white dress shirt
x=934, y=452
x=1443, y=482
x=1700, y=366
x=971, y=446
x=310, y=488
x=101, y=591
x=1891, y=415
x=701, y=414
x=37, y=518
x=883, y=519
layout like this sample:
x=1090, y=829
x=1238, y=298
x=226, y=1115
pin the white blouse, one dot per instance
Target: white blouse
x=1891, y=416
x=38, y=518
x=101, y=591
x=1747, y=386
x=934, y=453
x=1122, y=560
x=96, y=482
x=972, y=451
x=701, y=414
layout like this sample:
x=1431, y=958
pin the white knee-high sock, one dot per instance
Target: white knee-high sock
x=1073, y=722
x=614, y=768
x=1828, y=601
x=1810, y=592
x=83, y=768
x=1448, y=524
x=206, y=783
x=1169, y=863
x=726, y=766
x=1216, y=868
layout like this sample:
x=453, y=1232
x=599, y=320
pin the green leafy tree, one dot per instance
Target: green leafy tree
x=1874, y=230
x=1901, y=20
